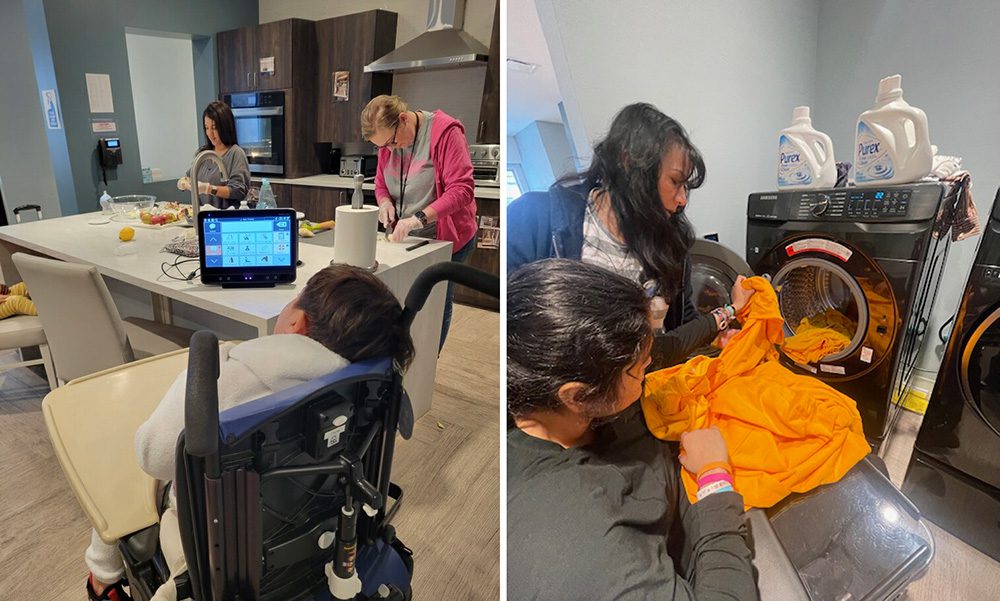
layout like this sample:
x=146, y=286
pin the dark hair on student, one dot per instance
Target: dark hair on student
x=569, y=321
x=626, y=163
x=354, y=314
x=220, y=114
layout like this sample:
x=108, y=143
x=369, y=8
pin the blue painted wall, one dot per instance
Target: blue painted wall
x=25, y=170
x=89, y=37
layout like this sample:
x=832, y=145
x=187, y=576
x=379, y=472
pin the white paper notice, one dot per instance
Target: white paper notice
x=267, y=64
x=99, y=93
x=103, y=126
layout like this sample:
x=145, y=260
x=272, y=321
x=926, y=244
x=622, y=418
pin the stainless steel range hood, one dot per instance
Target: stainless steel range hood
x=443, y=45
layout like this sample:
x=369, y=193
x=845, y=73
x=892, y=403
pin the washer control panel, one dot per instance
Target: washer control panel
x=912, y=202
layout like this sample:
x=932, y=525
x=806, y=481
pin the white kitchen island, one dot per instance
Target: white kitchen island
x=139, y=286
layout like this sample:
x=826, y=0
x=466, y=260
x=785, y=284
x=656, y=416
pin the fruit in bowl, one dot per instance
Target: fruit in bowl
x=129, y=206
x=158, y=217
x=164, y=214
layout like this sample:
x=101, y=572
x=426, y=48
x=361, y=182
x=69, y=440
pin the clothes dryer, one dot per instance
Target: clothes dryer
x=864, y=263
x=954, y=473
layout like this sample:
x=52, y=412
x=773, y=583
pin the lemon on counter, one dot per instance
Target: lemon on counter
x=126, y=234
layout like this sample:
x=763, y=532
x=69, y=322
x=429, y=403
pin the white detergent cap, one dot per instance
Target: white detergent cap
x=890, y=86
x=800, y=113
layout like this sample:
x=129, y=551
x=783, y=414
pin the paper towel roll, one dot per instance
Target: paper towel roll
x=355, y=235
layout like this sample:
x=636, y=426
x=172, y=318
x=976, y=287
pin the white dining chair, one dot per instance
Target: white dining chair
x=19, y=332
x=84, y=331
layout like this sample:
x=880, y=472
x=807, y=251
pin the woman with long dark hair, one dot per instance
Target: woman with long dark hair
x=220, y=137
x=626, y=213
x=595, y=506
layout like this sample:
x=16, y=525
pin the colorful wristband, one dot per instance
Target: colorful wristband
x=716, y=477
x=715, y=465
x=713, y=488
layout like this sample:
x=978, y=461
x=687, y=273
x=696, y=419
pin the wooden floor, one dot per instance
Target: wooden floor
x=449, y=471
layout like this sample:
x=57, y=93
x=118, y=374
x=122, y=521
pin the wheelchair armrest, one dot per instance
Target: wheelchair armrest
x=144, y=565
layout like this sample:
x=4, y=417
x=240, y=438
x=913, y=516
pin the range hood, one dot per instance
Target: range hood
x=443, y=45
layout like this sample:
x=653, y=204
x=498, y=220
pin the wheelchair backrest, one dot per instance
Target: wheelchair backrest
x=255, y=514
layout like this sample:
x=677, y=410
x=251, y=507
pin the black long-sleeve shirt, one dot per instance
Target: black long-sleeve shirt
x=685, y=330
x=611, y=521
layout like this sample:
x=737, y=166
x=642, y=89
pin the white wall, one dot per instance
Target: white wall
x=163, y=122
x=947, y=54
x=458, y=92
x=729, y=71
x=26, y=174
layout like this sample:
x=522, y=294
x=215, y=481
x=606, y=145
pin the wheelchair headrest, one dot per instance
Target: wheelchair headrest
x=236, y=422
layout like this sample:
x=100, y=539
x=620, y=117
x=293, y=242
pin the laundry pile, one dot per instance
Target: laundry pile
x=785, y=432
x=820, y=336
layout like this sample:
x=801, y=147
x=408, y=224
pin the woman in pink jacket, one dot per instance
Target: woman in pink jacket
x=423, y=185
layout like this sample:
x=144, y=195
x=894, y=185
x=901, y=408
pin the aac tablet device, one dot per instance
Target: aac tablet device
x=248, y=248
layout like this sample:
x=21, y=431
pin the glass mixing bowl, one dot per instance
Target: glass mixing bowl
x=126, y=208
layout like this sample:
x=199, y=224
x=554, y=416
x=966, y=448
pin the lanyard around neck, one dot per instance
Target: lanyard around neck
x=403, y=176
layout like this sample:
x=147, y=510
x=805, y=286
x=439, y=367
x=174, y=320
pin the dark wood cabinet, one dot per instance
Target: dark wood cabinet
x=291, y=43
x=318, y=203
x=489, y=112
x=282, y=194
x=349, y=43
x=486, y=259
x=301, y=158
x=235, y=52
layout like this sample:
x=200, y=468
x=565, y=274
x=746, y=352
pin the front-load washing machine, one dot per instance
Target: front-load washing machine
x=864, y=264
x=954, y=473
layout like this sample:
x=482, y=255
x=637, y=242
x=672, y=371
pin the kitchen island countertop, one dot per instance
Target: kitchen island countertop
x=336, y=181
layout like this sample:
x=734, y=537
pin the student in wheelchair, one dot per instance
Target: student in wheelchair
x=343, y=315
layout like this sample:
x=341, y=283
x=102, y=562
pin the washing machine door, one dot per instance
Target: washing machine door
x=979, y=369
x=714, y=269
x=827, y=285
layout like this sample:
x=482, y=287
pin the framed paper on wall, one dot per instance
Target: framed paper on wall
x=341, y=86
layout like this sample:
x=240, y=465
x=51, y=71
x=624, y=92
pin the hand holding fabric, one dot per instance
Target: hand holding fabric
x=403, y=228
x=740, y=295
x=203, y=187
x=701, y=447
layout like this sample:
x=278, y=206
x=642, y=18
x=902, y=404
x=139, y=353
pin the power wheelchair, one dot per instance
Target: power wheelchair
x=287, y=497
